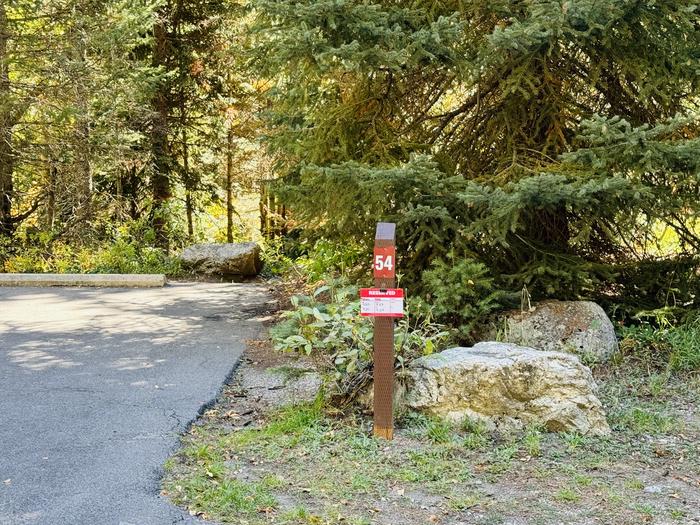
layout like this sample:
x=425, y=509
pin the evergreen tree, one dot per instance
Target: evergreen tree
x=542, y=138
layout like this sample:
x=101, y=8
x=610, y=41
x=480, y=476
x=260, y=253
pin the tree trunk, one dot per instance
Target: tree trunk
x=190, y=212
x=160, y=180
x=7, y=160
x=229, y=184
x=84, y=185
x=51, y=198
x=186, y=178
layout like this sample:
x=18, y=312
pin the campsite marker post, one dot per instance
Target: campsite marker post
x=384, y=303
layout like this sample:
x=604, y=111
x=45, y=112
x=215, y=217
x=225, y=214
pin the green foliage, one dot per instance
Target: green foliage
x=439, y=431
x=326, y=257
x=123, y=110
x=461, y=292
x=128, y=251
x=643, y=421
x=276, y=262
x=664, y=345
x=209, y=493
x=529, y=136
x=328, y=323
x=313, y=260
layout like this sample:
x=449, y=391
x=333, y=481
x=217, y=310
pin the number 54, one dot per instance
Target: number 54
x=384, y=262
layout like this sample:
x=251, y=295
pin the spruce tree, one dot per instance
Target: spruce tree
x=545, y=139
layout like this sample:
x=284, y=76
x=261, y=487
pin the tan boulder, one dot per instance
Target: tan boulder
x=241, y=259
x=507, y=387
x=579, y=327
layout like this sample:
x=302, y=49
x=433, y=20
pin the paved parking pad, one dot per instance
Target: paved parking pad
x=96, y=386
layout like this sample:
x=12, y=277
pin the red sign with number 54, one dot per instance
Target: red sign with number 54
x=385, y=262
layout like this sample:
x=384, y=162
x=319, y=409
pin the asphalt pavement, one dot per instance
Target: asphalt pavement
x=97, y=384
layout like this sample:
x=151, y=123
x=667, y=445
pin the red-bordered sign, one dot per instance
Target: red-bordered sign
x=376, y=302
x=384, y=262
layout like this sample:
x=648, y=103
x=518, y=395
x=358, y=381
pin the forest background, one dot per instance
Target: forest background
x=539, y=148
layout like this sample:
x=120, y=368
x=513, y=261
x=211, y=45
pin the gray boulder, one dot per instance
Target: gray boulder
x=507, y=387
x=579, y=327
x=241, y=259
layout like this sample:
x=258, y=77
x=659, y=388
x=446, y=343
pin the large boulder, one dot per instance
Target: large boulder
x=507, y=387
x=240, y=259
x=579, y=327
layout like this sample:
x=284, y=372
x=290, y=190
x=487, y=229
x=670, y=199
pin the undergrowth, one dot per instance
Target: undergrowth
x=328, y=323
x=664, y=344
x=128, y=249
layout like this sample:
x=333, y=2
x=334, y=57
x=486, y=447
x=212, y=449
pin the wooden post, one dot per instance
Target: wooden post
x=385, y=277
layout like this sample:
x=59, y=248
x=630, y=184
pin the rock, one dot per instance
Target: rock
x=223, y=259
x=283, y=385
x=508, y=387
x=579, y=327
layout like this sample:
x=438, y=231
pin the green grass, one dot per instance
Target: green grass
x=567, y=495
x=224, y=497
x=634, y=484
x=439, y=431
x=642, y=420
x=533, y=442
x=673, y=347
x=303, y=467
x=289, y=373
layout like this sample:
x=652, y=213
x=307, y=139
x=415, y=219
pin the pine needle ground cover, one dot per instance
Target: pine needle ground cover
x=299, y=464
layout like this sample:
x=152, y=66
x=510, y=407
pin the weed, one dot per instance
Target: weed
x=582, y=480
x=473, y=426
x=202, y=452
x=361, y=483
x=298, y=515
x=464, y=502
x=567, y=495
x=667, y=346
x=290, y=374
x=657, y=384
x=476, y=434
x=634, y=484
x=574, y=440
x=475, y=442
x=533, y=442
x=439, y=431
x=678, y=514
x=645, y=509
x=327, y=321
x=223, y=497
x=643, y=421
x=295, y=419
x=502, y=458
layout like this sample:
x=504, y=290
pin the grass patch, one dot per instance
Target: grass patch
x=302, y=466
x=223, y=499
x=567, y=495
x=644, y=421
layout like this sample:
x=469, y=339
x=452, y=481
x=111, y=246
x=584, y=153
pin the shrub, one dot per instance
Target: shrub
x=328, y=323
x=462, y=293
x=125, y=251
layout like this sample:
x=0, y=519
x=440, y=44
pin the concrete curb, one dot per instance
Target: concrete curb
x=92, y=280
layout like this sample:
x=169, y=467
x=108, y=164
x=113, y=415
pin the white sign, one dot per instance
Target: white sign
x=376, y=302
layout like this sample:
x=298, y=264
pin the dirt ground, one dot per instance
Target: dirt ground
x=250, y=460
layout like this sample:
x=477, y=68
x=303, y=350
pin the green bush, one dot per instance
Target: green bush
x=125, y=251
x=462, y=293
x=329, y=322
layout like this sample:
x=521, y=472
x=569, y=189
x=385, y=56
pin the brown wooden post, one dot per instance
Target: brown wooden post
x=384, y=242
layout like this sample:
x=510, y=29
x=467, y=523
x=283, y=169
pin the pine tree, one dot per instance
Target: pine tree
x=541, y=138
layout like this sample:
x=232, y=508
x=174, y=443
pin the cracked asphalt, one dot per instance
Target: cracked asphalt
x=97, y=384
